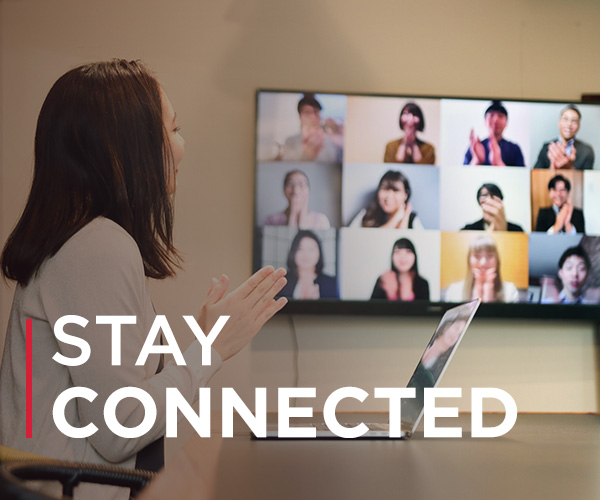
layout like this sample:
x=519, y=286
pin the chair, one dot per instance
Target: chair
x=17, y=467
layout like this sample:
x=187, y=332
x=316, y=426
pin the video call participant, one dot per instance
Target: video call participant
x=410, y=149
x=306, y=279
x=494, y=150
x=489, y=198
x=483, y=278
x=316, y=141
x=567, y=151
x=296, y=189
x=573, y=268
x=562, y=216
x=437, y=352
x=390, y=208
x=432, y=362
x=402, y=281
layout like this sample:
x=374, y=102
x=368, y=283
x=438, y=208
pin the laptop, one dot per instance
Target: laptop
x=432, y=366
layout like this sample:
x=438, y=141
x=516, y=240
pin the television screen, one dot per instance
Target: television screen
x=407, y=204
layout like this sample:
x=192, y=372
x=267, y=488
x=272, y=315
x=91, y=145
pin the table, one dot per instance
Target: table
x=545, y=456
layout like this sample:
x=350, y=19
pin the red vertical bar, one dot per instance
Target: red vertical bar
x=28, y=376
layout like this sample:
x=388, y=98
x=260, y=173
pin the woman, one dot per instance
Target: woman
x=306, y=279
x=440, y=347
x=403, y=281
x=297, y=190
x=97, y=223
x=390, y=208
x=410, y=149
x=483, y=276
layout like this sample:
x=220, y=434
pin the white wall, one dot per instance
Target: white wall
x=211, y=56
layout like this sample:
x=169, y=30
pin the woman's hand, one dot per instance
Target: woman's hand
x=389, y=284
x=403, y=224
x=249, y=307
x=298, y=212
x=309, y=290
x=485, y=280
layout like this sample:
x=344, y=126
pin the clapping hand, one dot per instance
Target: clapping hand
x=477, y=149
x=495, y=152
x=389, y=283
x=249, y=307
x=493, y=213
x=563, y=218
x=308, y=289
x=485, y=280
x=312, y=141
x=559, y=159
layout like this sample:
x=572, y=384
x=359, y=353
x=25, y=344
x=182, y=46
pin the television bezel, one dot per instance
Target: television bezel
x=417, y=308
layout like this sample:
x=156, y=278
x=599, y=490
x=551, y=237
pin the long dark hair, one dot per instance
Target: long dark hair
x=405, y=243
x=375, y=216
x=100, y=151
x=291, y=262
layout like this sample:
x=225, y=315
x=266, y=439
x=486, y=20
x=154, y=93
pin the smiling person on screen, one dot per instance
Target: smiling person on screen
x=574, y=267
x=562, y=216
x=490, y=199
x=567, y=152
x=494, y=150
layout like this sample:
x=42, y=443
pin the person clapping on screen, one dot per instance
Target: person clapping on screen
x=321, y=142
x=494, y=150
x=567, y=152
x=306, y=279
x=402, y=281
x=410, y=149
x=390, y=208
x=490, y=199
x=483, y=276
x=562, y=216
x=296, y=189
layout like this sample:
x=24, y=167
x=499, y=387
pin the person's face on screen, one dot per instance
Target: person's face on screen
x=559, y=194
x=568, y=124
x=482, y=260
x=403, y=259
x=452, y=333
x=484, y=195
x=175, y=140
x=407, y=119
x=296, y=188
x=392, y=197
x=573, y=274
x=495, y=123
x=307, y=255
x=310, y=117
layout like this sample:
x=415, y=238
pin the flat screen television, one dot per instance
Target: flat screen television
x=388, y=204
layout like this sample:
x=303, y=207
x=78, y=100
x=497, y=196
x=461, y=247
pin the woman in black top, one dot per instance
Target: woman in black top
x=402, y=281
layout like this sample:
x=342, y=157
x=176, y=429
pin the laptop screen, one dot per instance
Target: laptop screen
x=435, y=360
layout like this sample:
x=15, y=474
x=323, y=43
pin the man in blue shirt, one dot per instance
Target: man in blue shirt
x=494, y=150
